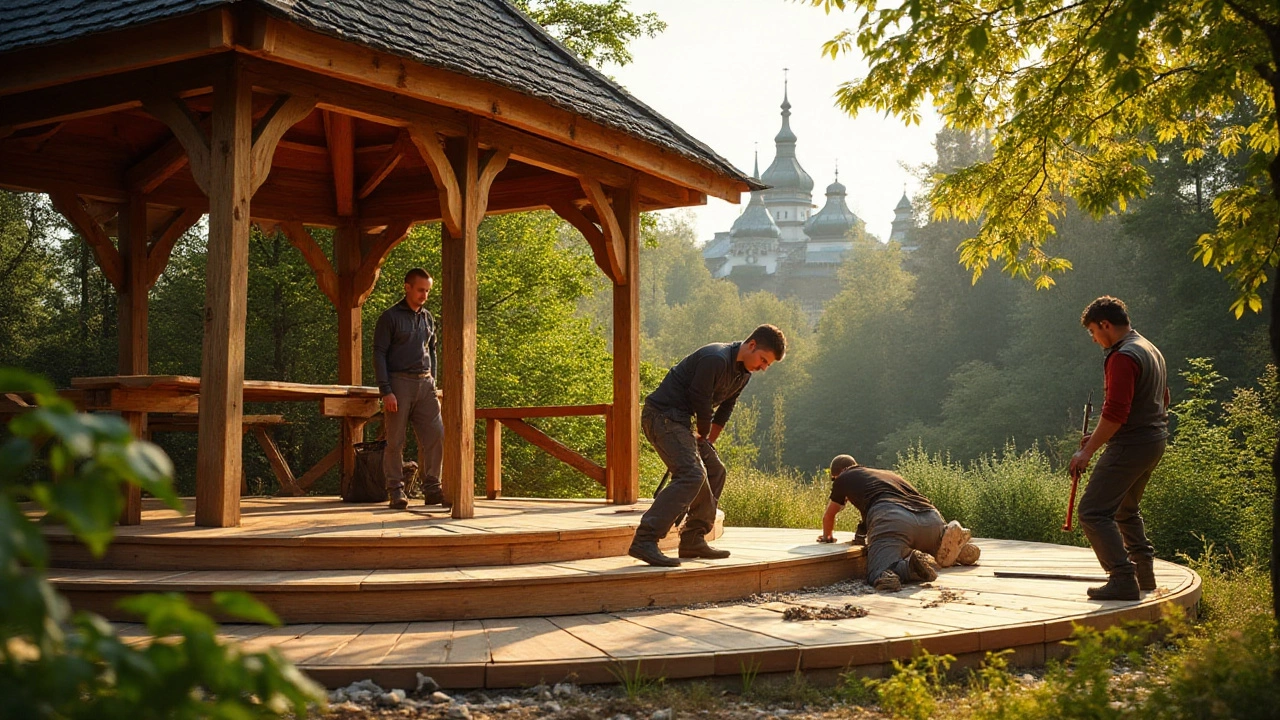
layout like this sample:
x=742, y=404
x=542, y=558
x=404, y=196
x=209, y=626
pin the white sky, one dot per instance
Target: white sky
x=717, y=72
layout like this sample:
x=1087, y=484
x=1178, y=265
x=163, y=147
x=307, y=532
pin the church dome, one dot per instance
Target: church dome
x=755, y=222
x=835, y=219
x=785, y=174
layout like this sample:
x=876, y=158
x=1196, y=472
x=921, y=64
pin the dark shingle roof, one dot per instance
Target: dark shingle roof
x=485, y=39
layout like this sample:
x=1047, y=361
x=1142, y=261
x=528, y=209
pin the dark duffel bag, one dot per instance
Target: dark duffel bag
x=368, y=484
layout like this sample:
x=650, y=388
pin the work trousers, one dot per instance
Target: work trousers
x=697, y=479
x=419, y=406
x=893, y=531
x=1109, y=513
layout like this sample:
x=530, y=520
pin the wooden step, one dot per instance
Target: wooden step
x=966, y=612
x=314, y=533
x=763, y=561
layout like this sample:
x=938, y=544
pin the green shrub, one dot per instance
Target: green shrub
x=912, y=689
x=54, y=664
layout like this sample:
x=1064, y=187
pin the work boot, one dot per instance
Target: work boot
x=923, y=568
x=954, y=536
x=434, y=496
x=1146, y=573
x=888, y=582
x=396, y=499
x=1118, y=587
x=647, y=551
x=969, y=554
x=695, y=546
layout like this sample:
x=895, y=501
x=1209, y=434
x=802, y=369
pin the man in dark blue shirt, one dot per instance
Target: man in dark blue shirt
x=683, y=418
x=404, y=362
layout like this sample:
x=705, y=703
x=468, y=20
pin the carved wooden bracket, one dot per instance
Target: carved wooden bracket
x=104, y=251
x=427, y=141
x=163, y=240
x=371, y=259
x=194, y=138
x=608, y=244
x=326, y=278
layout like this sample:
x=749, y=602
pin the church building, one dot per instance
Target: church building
x=778, y=244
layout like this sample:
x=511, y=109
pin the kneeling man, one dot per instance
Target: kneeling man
x=906, y=537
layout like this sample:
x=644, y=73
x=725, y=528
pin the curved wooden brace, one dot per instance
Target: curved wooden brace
x=104, y=251
x=162, y=242
x=555, y=448
x=615, y=247
x=594, y=236
x=371, y=263
x=186, y=128
x=287, y=111
x=425, y=139
x=326, y=278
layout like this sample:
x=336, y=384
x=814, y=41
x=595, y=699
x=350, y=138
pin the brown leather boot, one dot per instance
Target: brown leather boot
x=647, y=551
x=396, y=499
x=1118, y=587
x=695, y=546
x=1146, y=573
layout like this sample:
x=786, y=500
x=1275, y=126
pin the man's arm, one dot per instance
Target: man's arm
x=1122, y=374
x=829, y=521
x=381, y=345
x=725, y=410
x=704, y=381
x=431, y=347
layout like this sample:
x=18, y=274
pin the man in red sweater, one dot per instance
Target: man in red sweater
x=1134, y=427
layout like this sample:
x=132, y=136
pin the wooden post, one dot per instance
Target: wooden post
x=493, y=458
x=346, y=243
x=218, y=462
x=624, y=435
x=610, y=476
x=131, y=305
x=474, y=175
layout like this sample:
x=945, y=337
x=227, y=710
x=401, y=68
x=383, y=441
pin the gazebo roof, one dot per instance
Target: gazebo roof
x=485, y=39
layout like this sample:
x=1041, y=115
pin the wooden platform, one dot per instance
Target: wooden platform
x=967, y=612
x=316, y=533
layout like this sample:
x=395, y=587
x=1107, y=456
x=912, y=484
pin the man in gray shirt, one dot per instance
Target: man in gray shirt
x=404, y=362
x=683, y=418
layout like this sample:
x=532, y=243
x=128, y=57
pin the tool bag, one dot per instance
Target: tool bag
x=367, y=484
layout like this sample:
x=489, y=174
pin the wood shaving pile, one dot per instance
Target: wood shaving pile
x=797, y=613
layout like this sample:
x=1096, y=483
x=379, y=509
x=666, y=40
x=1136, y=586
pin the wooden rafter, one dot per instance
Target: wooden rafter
x=326, y=278
x=389, y=161
x=340, y=137
x=150, y=172
x=104, y=251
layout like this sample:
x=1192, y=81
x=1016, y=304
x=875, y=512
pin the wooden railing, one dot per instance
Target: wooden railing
x=514, y=418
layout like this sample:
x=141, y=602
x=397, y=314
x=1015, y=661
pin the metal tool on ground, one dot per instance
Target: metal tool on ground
x=1075, y=477
x=1049, y=576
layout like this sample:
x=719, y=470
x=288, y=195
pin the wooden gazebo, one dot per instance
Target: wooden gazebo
x=137, y=117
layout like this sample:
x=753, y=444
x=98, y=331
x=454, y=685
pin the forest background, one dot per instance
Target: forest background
x=910, y=354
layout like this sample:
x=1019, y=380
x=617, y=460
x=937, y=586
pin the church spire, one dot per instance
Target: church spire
x=786, y=179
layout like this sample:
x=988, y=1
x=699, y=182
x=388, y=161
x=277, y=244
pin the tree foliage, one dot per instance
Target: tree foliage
x=1080, y=96
x=598, y=32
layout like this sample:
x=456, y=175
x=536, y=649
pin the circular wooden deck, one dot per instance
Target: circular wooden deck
x=323, y=533
x=966, y=612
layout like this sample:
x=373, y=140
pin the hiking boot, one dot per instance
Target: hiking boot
x=695, y=546
x=923, y=568
x=434, y=496
x=1118, y=587
x=969, y=554
x=1146, y=573
x=647, y=551
x=396, y=499
x=888, y=582
x=954, y=536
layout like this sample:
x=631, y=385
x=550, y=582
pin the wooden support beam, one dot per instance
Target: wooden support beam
x=475, y=172
x=395, y=154
x=610, y=228
x=376, y=254
x=163, y=241
x=556, y=449
x=326, y=278
x=591, y=232
x=493, y=459
x=347, y=256
x=340, y=137
x=288, y=486
x=149, y=173
x=104, y=251
x=319, y=469
x=132, y=311
x=286, y=112
x=624, y=435
x=229, y=186
x=187, y=130
x=445, y=175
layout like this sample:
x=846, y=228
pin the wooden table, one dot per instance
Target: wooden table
x=133, y=396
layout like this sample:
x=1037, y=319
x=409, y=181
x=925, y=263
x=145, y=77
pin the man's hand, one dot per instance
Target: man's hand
x=1079, y=463
x=826, y=538
x=1084, y=440
x=390, y=404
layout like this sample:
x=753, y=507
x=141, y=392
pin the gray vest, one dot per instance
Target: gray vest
x=1148, y=417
